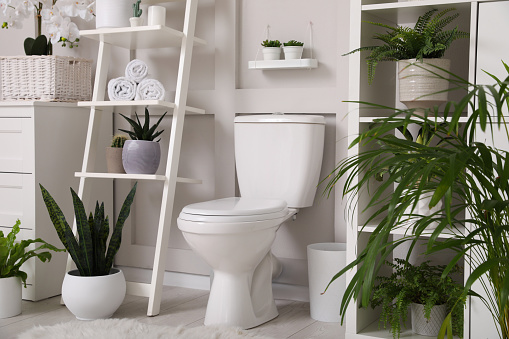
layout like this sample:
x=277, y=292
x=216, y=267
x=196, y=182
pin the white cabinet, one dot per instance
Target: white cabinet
x=363, y=323
x=40, y=142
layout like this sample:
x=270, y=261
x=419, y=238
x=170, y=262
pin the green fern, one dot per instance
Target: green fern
x=427, y=39
x=421, y=284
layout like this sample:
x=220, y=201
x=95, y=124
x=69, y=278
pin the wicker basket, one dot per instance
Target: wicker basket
x=46, y=78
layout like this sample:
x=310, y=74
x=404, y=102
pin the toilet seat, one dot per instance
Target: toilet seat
x=235, y=210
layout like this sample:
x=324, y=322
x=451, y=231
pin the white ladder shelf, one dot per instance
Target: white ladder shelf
x=139, y=38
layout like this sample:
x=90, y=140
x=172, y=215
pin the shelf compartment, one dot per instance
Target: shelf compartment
x=372, y=331
x=154, y=177
x=141, y=37
x=283, y=64
x=153, y=103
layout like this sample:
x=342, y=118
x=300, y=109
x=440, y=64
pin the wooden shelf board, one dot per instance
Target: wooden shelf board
x=400, y=231
x=141, y=37
x=283, y=64
x=372, y=331
x=153, y=103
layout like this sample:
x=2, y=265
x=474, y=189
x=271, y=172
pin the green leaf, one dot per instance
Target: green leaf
x=85, y=236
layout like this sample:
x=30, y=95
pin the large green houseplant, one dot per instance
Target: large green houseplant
x=471, y=178
x=95, y=290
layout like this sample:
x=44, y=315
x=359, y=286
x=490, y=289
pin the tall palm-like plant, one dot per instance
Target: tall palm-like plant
x=471, y=178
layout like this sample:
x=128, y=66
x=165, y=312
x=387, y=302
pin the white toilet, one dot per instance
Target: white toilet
x=278, y=159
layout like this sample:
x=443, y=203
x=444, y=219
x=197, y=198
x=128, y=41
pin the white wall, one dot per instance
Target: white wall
x=222, y=84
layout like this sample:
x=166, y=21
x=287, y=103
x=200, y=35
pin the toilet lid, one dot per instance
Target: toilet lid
x=235, y=210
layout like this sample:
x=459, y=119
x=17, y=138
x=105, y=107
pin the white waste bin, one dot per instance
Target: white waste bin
x=324, y=261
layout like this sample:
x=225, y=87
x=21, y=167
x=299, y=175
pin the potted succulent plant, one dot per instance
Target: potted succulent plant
x=94, y=290
x=12, y=256
x=271, y=49
x=114, y=154
x=469, y=175
x=136, y=19
x=293, y=49
x=422, y=71
x=142, y=154
x=421, y=288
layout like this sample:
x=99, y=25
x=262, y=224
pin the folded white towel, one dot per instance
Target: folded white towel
x=150, y=89
x=121, y=89
x=136, y=70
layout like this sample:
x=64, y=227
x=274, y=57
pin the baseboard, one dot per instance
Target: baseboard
x=202, y=282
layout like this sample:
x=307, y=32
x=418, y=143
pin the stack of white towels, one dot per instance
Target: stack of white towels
x=135, y=85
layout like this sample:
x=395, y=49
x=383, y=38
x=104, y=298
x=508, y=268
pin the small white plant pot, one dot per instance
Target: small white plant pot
x=97, y=297
x=271, y=53
x=10, y=297
x=156, y=15
x=136, y=21
x=293, y=52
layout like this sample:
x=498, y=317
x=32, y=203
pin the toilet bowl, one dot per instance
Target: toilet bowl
x=278, y=159
x=234, y=236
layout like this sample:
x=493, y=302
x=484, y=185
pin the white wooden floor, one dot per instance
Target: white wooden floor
x=179, y=306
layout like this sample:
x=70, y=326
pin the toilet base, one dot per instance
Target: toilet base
x=242, y=300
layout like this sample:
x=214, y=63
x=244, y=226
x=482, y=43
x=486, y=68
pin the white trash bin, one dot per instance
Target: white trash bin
x=324, y=261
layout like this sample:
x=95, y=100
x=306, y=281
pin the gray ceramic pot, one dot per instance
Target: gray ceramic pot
x=141, y=156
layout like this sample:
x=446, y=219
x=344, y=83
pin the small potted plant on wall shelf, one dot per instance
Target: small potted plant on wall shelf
x=142, y=154
x=293, y=49
x=136, y=19
x=114, y=154
x=94, y=290
x=12, y=256
x=271, y=49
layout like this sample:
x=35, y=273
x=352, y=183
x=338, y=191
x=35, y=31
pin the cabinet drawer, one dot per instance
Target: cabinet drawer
x=17, y=200
x=16, y=145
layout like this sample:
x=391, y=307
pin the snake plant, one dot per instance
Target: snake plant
x=89, y=251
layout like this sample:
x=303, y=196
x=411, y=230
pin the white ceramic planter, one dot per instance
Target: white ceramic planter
x=156, y=15
x=10, y=297
x=431, y=327
x=90, y=298
x=136, y=21
x=422, y=208
x=293, y=52
x=324, y=261
x=113, y=13
x=421, y=84
x=271, y=53
x=141, y=156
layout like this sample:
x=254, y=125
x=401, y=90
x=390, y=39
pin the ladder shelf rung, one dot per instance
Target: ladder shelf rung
x=138, y=289
x=136, y=103
x=155, y=177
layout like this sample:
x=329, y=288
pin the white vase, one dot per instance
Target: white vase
x=97, y=297
x=113, y=13
x=423, y=326
x=156, y=15
x=271, y=53
x=10, y=297
x=141, y=156
x=293, y=52
x=423, y=84
x=422, y=208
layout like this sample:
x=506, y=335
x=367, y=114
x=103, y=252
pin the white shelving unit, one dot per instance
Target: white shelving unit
x=363, y=323
x=132, y=38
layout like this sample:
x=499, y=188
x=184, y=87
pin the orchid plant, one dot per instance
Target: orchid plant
x=54, y=14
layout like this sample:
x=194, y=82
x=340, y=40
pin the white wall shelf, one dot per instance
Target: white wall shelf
x=138, y=103
x=134, y=177
x=402, y=231
x=283, y=64
x=141, y=37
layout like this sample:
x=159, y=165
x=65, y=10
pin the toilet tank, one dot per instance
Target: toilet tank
x=279, y=156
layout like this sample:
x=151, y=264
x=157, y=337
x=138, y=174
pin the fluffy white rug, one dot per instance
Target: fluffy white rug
x=131, y=329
